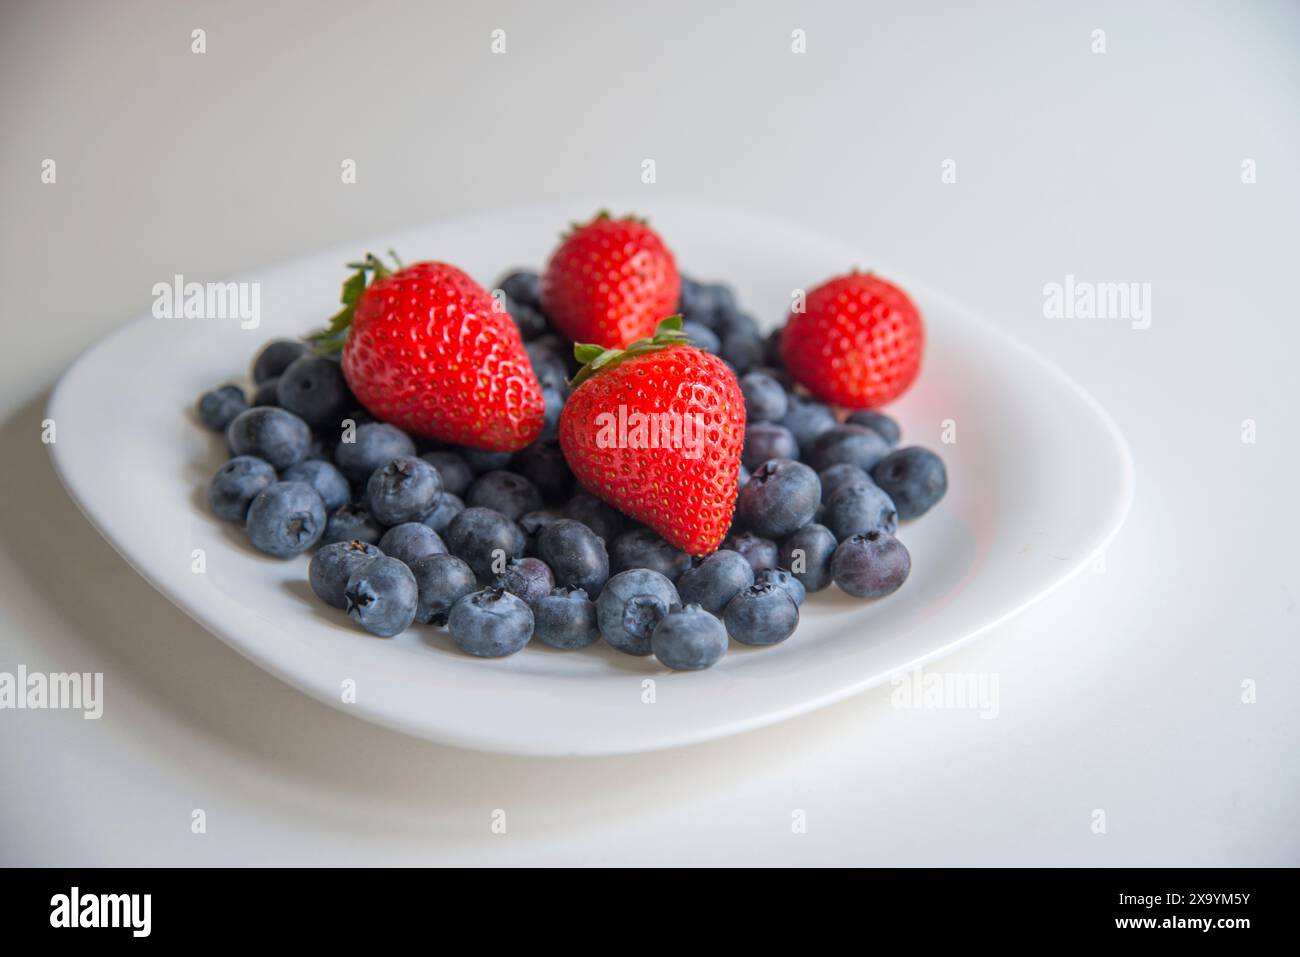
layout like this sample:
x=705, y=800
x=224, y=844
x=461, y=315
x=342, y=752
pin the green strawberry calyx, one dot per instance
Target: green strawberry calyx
x=603, y=214
x=330, y=340
x=596, y=358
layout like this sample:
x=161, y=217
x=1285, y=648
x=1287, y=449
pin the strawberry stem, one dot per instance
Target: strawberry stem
x=330, y=340
x=596, y=358
x=574, y=226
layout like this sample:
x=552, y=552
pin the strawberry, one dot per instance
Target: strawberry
x=656, y=431
x=857, y=343
x=610, y=282
x=426, y=348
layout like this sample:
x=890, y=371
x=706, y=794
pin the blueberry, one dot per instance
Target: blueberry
x=566, y=618
x=733, y=322
x=772, y=348
x=236, y=484
x=837, y=475
x=333, y=565
x=689, y=640
x=548, y=366
x=871, y=565
x=276, y=356
x=279, y=437
x=778, y=375
x=721, y=304
x=605, y=520
x=853, y=444
x=742, y=351
x=530, y=321
x=765, y=399
x=642, y=548
x=441, y=581
x=285, y=518
x=267, y=394
x=560, y=347
x=693, y=301
x=328, y=481
x=859, y=507
x=630, y=606
x=523, y=286
x=373, y=445
x=715, y=580
x=506, y=492
x=543, y=464
x=779, y=499
x=404, y=490
x=455, y=471
x=411, y=540
x=448, y=507
x=877, y=422
x=576, y=555
x=743, y=475
x=320, y=450
x=767, y=440
x=529, y=578
x=761, y=553
x=710, y=304
x=552, y=407
x=485, y=539
x=481, y=460
x=491, y=623
x=351, y=522
x=313, y=387
x=914, y=478
x=763, y=614
x=807, y=419
x=360, y=415
x=784, y=580
x=701, y=336
x=532, y=525
x=381, y=596
x=807, y=553
x=218, y=408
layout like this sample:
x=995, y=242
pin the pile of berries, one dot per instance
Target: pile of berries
x=665, y=484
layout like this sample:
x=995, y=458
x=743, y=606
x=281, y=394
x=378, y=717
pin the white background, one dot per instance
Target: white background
x=1122, y=692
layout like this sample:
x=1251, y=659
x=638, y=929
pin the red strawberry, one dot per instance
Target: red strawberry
x=610, y=282
x=857, y=344
x=656, y=431
x=426, y=349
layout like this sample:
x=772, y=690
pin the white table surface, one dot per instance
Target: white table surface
x=1122, y=691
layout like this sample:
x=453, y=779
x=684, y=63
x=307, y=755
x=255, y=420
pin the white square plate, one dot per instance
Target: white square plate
x=1039, y=480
